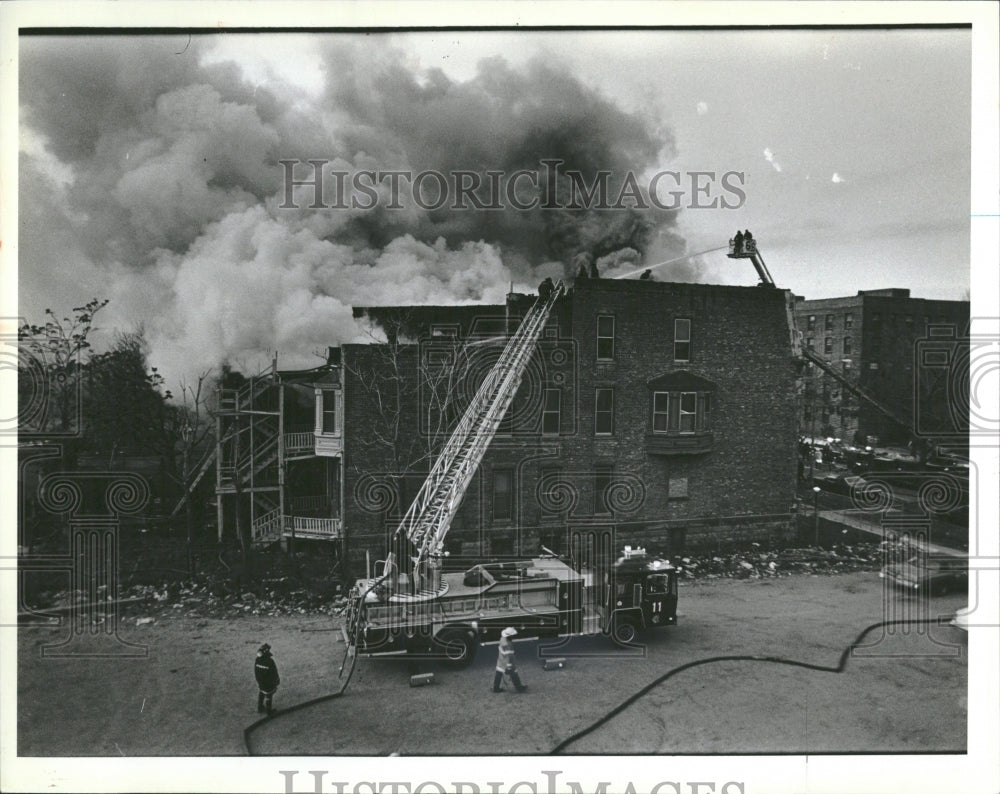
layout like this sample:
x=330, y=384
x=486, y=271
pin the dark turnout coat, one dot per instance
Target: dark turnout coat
x=266, y=672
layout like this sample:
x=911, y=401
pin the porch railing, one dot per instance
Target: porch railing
x=312, y=527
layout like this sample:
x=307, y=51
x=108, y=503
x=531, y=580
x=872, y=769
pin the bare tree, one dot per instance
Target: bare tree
x=417, y=390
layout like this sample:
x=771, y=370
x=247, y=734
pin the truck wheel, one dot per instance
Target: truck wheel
x=624, y=631
x=459, y=646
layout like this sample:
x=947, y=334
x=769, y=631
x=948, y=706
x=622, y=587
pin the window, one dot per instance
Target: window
x=848, y=321
x=503, y=494
x=828, y=345
x=551, y=411
x=682, y=340
x=812, y=322
x=602, y=481
x=705, y=411
x=873, y=365
x=681, y=412
x=445, y=331
x=604, y=412
x=661, y=404
x=847, y=345
x=688, y=411
x=605, y=337
x=828, y=326
x=809, y=342
x=329, y=412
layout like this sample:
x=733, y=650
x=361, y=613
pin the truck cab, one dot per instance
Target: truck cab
x=642, y=595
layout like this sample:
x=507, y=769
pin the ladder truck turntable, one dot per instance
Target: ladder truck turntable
x=449, y=614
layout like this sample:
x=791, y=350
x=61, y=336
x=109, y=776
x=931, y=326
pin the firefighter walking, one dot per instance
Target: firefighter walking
x=266, y=673
x=505, y=662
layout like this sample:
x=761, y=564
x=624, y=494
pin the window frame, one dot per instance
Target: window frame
x=609, y=338
x=548, y=412
x=679, y=341
x=609, y=411
x=682, y=413
x=665, y=412
x=331, y=396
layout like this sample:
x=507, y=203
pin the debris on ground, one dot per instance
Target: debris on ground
x=271, y=597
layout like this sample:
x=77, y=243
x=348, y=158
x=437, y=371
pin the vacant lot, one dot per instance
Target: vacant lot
x=193, y=694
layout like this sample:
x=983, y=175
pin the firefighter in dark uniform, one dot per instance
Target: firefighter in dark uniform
x=266, y=673
x=738, y=243
x=545, y=289
x=505, y=662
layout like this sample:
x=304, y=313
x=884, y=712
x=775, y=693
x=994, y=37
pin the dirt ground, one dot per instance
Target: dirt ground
x=193, y=693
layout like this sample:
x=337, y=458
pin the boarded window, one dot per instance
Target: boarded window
x=503, y=494
x=602, y=482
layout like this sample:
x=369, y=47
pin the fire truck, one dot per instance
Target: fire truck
x=448, y=614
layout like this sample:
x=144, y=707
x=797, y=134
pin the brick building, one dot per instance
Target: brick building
x=664, y=411
x=875, y=338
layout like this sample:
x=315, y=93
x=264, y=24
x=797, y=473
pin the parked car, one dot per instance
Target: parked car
x=937, y=574
x=839, y=483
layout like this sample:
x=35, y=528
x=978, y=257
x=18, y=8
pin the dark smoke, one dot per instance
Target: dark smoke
x=151, y=177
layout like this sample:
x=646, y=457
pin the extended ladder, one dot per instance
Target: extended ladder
x=429, y=517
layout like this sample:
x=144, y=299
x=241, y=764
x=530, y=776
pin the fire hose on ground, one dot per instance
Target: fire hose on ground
x=625, y=704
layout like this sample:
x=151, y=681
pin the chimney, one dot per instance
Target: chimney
x=333, y=356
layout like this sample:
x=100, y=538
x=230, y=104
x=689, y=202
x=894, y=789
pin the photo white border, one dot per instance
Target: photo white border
x=975, y=772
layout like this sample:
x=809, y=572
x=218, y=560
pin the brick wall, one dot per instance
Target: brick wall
x=740, y=485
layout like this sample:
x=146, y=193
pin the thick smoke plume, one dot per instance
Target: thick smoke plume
x=151, y=177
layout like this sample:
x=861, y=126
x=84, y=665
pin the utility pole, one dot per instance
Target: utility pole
x=816, y=490
x=187, y=435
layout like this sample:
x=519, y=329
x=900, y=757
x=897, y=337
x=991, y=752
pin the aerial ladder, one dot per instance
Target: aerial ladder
x=429, y=517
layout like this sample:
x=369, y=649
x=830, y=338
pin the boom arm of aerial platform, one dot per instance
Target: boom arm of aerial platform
x=847, y=383
x=746, y=248
x=429, y=517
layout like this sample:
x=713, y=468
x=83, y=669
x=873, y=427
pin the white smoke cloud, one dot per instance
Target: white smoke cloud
x=152, y=178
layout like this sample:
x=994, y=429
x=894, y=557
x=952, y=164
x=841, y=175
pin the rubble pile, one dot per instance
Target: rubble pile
x=273, y=597
x=756, y=564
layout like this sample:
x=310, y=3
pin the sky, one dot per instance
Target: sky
x=149, y=171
